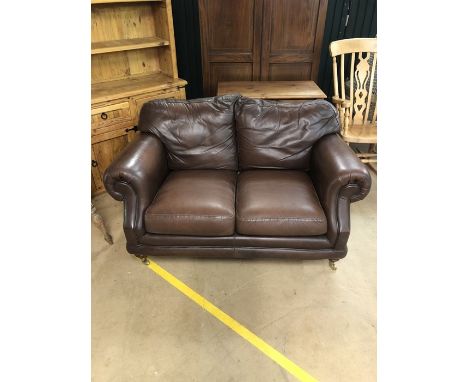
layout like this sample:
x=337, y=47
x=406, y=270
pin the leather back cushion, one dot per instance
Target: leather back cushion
x=280, y=134
x=197, y=134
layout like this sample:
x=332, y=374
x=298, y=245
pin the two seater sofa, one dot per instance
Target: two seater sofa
x=235, y=177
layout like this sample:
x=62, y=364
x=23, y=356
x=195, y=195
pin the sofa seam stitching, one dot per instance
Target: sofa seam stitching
x=281, y=218
x=192, y=216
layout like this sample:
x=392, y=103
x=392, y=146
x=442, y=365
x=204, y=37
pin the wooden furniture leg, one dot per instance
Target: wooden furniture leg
x=373, y=150
x=98, y=221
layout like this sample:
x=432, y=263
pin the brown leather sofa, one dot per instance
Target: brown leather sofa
x=235, y=177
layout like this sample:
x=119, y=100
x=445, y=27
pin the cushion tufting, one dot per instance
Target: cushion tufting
x=197, y=134
x=280, y=134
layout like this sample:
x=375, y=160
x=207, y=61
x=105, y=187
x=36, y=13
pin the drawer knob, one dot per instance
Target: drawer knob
x=103, y=116
x=93, y=163
x=134, y=128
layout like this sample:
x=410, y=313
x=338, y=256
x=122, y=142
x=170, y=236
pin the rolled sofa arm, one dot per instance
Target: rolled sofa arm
x=135, y=177
x=336, y=170
x=339, y=178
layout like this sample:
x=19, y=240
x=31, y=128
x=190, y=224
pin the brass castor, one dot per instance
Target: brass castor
x=331, y=263
x=143, y=259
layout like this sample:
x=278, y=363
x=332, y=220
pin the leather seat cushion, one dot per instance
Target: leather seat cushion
x=278, y=203
x=197, y=134
x=194, y=202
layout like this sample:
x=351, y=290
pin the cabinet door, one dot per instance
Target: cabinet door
x=96, y=180
x=93, y=185
x=292, y=39
x=230, y=40
x=104, y=152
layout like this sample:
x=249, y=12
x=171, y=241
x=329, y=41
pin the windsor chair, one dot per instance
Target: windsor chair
x=355, y=95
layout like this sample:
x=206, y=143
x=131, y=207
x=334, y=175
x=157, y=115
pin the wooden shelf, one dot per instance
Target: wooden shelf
x=128, y=44
x=110, y=90
x=123, y=1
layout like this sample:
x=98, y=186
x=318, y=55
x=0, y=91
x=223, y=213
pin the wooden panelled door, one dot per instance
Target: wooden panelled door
x=260, y=40
x=230, y=34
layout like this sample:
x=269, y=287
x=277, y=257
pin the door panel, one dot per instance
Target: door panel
x=93, y=185
x=233, y=28
x=290, y=72
x=104, y=153
x=95, y=175
x=293, y=25
x=229, y=72
x=292, y=33
x=230, y=40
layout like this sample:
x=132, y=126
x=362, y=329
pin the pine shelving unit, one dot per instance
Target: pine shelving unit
x=132, y=61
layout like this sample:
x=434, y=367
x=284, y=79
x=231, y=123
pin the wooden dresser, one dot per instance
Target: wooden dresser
x=132, y=61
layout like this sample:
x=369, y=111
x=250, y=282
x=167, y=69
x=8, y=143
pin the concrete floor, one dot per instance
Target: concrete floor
x=143, y=329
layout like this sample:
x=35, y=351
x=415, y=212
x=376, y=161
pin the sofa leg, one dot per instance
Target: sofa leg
x=331, y=263
x=143, y=259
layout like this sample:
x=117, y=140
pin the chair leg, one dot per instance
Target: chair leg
x=98, y=221
x=372, y=167
x=331, y=263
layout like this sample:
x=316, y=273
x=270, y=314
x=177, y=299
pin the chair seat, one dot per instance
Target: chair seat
x=194, y=202
x=361, y=133
x=278, y=203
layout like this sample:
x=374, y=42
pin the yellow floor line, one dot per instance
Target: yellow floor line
x=227, y=320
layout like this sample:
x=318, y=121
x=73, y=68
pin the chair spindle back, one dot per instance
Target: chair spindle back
x=361, y=78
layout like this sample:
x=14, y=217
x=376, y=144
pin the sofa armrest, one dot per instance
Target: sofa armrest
x=339, y=178
x=134, y=177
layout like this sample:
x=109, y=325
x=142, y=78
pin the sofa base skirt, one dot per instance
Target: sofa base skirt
x=236, y=253
x=237, y=241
